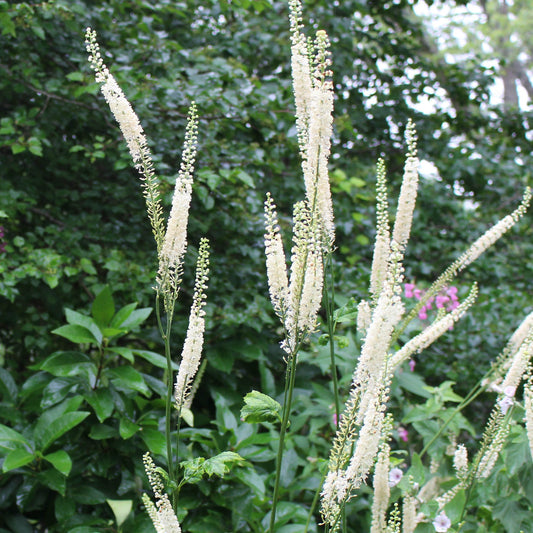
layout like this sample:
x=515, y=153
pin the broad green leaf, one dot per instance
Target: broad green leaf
x=65, y=364
x=127, y=428
x=122, y=314
x=77, y=334
x=102, y=432
x=46, y=434
x=155, y=441
x=75, y=76
x=128, y=379
x=87, y=322
x=103, y=307
x=53, y=480
x=121, y=509
x=101, y=400
x=135, y=318
x=17, y=458
x=8, y=387
x=454, y=509
x=11, y=439
x=155, y=359
x=61, y=461
x=413, y=383
x=259, y=407
x=127, y=353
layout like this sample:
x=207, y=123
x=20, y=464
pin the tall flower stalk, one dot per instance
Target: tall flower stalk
x=296, y=295
x=171, y=244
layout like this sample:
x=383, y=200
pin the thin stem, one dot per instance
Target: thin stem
x=472, y=395
x=315, y=501
x=289, y=387
x=329, y=302
x=168, y=406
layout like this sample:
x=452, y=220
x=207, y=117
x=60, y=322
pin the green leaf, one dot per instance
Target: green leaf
x=102, y=432
x=417, y=470
x=78, y=319
x=75, y=76
x=122, y=315
x=222, y=463
x=156, y=359
x=77, y=334
x=259, y=407
x=66, y=364
x=135, y=318
x=53, y=480
x=155, y=441
x=127, y=379
x=103, y=307
x=11, y=439
x=454, y=509
x=17, y=458
x=8, y=386
x=127, y=428
x=61, y=461
x=412, y=382
x=121, y=509
x=46, y=434
x=127, y=353
x=101, y=400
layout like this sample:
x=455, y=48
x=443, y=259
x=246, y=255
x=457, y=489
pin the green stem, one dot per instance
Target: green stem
x=329, y=302
x=289, y=388
x=168, y=406
x=472, y=395
x=315, y=501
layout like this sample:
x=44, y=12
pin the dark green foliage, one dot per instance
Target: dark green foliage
x=74, y=222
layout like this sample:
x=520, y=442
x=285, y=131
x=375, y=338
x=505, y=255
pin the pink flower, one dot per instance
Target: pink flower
x=412, y=365
x=422, y=314
x=409, y=289
x=395, y=476
x=442, y=523
x=441, y=300
x=418, y=293
x=403, y=434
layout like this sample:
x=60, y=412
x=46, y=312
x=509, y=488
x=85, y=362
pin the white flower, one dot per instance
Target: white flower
x=395, y=476
x=442, y=523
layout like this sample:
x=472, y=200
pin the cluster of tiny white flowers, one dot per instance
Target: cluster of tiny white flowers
x=408, y=191
x=192, y=347
x=161, y=514
x=381, y=256
x=382, y=486
x=175, y=241
x=275, y=260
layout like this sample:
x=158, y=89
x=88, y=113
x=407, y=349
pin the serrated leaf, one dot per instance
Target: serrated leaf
x=47, y=433
x=103, y=307
x=17, y=458
x=259, y=407
x=221, y=464
x=121, y=509
x=76, y=334
x=61, y=461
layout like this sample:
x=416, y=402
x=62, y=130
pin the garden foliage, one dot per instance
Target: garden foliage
x=80, y=411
